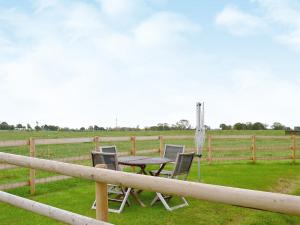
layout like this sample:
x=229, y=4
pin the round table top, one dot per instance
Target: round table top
x=142, y=160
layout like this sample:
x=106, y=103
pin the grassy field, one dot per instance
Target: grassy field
x=21, y=135
x=77, y=195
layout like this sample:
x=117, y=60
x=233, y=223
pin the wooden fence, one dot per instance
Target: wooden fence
x=268, y=201
x=249, y=151
x=253, y=149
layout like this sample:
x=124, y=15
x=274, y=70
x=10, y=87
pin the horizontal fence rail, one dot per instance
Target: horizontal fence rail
x=13, y=143
x=49, y=211
x=234, y=196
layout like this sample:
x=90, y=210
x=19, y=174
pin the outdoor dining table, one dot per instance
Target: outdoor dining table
x=143, y=161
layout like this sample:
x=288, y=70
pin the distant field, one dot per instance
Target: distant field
x=19, y=135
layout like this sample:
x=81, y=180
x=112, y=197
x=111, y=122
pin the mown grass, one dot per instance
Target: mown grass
x=77, y=195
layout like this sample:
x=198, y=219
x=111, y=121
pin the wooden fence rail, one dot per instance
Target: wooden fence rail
x=274, y=202
x=49, y=211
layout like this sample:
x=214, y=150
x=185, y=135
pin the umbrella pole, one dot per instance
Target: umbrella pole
x=198, y=168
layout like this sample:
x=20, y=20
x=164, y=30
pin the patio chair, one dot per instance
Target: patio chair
x=115, y=193
x=181, y=171
x=108, y=149
x=170, y=152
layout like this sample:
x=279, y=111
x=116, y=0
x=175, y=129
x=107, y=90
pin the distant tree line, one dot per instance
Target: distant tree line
x=180, y=125
x=253, y=126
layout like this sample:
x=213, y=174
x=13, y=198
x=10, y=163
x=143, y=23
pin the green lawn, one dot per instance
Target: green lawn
x=77, y=195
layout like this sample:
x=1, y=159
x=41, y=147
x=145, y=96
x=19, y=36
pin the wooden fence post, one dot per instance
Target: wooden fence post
x=32, y=171
x=101, y=199
x=133, y=146
x=209, y=148
x=253, y=148
x=161, y=145
x=294, y=148
x=97, y=143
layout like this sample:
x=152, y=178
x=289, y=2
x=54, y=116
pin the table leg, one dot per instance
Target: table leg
x=136, y=197
x=143, y=171
x=160, y=169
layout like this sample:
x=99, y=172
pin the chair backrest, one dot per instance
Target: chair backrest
x=183, y=164
x=171, y=151
x=108, y=149
x=109, y=159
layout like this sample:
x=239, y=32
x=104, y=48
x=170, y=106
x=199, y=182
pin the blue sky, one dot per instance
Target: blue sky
x=80, y=63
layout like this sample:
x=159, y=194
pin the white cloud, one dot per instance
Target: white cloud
x=292, y=39
x=164, y=28
x=121, y=8
x=284, y=13
x=238, y=22
x=279, y=18
x=41, y=5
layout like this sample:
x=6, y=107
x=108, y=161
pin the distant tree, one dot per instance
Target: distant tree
x=249, y=126
x=223, y=126
x=240, y=126
x=278, y=126
x=99, y=128
x=20, y=126
x=53, y=128
x=183, y=124
x=259, y=126
x=37, y=128
x=6, y=126
x=28, y=126
x=82, y=129
x=206, y=127
x=163, y=126
x=50, y=127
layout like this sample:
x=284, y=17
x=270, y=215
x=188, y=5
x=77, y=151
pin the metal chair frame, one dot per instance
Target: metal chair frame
x=175, y=175
x=117, y=190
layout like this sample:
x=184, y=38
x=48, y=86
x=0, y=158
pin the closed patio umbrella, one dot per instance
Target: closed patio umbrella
x=200, y=133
